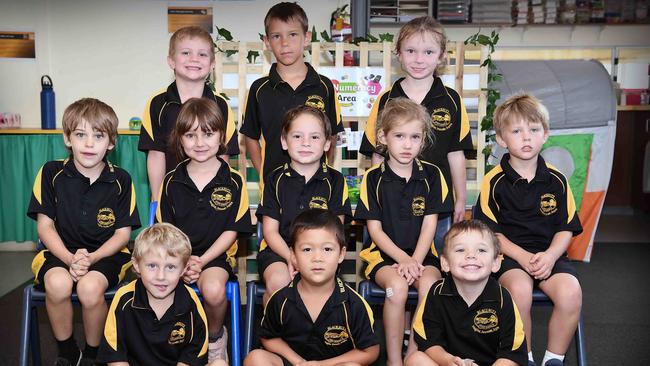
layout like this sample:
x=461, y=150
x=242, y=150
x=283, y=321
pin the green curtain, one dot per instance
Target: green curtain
x=21, y=156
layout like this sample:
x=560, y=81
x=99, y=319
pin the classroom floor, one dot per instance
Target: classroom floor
x=617, y=320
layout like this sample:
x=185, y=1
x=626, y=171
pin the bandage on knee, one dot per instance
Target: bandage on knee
x=389, y=292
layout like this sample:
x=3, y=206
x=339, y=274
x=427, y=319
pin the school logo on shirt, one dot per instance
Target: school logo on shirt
x=105, y=217
x=221, y=198
x=418, y=205
x=178, y=333
x=548, y=204
x=336, y=335
x=486, y=321
x=316, y=101
x=318, y=202
x=441, y=119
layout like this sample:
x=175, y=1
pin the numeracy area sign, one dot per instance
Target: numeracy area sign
x=357, y=87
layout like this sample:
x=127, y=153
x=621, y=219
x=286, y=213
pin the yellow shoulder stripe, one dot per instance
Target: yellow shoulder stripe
x=37, y=186
x=204, y=318
x=363, y=192
x=371, y=316
x=486, y=192
x=110, y=327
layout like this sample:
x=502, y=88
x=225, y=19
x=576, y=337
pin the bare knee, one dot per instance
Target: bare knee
x=259, y=357
x=58, y=285
x=90, y=291
x=567, y=297
x=418, y=359
x=275, y=279
x=213, y=292
x=397, y=291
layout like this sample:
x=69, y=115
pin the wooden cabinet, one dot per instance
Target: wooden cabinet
x=632, y=136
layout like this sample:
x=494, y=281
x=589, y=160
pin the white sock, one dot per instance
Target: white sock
x=549, y=355
x=530, y=356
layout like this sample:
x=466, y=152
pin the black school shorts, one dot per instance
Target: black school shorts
x=113, y=268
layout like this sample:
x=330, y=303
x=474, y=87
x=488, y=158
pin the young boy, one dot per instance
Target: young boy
x=84, y=209
x=306, y=182
x=191, y=56
x=529, y=205
x=291, y=82
x=156, y=319
x=468, y=318
x=316, y=317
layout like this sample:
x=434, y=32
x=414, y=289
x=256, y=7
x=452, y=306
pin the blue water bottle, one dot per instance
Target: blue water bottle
x=48, y=115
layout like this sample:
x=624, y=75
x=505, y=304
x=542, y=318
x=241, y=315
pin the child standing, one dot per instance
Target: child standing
x=191, y=56
x=529, y=205
x=291, y=82
x=400, y=200
x=468, y=318
x=156, y=320
x=421, y=49
x=317, y=317
x=306, y=182
x=208, y=201
x=84, y=209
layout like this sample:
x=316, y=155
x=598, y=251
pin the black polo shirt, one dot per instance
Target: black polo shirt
x=485, y=331
x=85, y=215
x=401, y=205
x=450, y=124
x=286, y=195
x=160, y=116
x=135, y=335
x=205, y=215
x=345, y=323
x=528, y=213
x=270, y=97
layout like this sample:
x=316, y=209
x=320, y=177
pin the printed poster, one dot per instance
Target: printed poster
x=184, y=16
x=17, y=44
x=357, y=87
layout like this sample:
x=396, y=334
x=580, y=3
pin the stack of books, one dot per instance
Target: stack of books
x=453, y=11
x=551, y=11
x=536, y=13
x=520, y=12
x=491, y=11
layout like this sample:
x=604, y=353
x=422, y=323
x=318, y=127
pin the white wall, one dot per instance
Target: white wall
x=111, y=50
x=115, y=50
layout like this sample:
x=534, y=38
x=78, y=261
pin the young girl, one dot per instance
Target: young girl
x=208, y=201
x=421, y=48
x=400, y=200
x=306, y=182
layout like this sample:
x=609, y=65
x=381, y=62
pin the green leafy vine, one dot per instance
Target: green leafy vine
x=487, y=123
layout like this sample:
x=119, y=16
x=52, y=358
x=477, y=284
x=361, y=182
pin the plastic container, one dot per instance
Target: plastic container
x=48, y=113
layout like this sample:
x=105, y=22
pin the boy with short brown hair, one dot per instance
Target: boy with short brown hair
x=467, y=318
x=84, y=208
x=291, y=82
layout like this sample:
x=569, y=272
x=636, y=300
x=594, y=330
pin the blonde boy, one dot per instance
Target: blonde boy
x=84, y=209
x=191, y=56
x=529, y=205
x=156, y=319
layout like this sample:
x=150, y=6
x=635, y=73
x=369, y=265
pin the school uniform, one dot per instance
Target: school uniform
x=345, y=323
x=161, y=113
x=85, y=215
x=269, y=99
x=134, y=334
x=400, y=205
x=489, y=329
x=450, y=124
x=204, y=215
x=529, y=213
x=287, y=194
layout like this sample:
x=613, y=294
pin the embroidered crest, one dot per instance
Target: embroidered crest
x=548, y=204
x=178, y=333
x=105, y=217
x=418, y=205
x=221, y=198
x=486, y=321
x=441, y=119
x=316, y=101
x=318, y=202
x=336, y=335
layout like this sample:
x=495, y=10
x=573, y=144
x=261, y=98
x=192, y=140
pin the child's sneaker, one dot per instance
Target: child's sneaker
x=554, y=362
x=531, y=363
x=218, y=350
x=62, y=361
